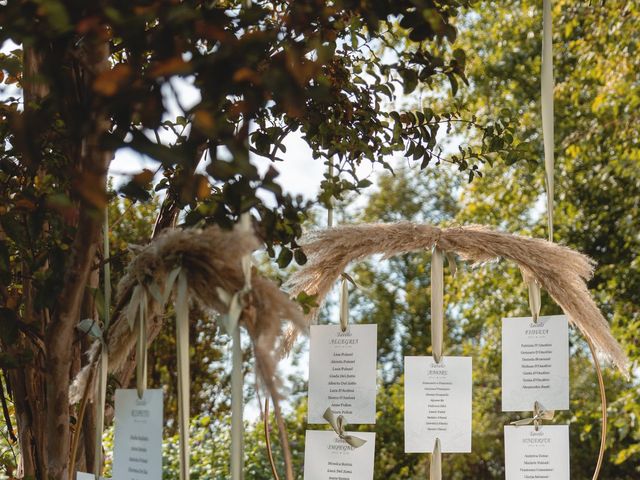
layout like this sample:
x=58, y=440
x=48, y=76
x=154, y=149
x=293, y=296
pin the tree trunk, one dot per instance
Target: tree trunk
x=41, y=389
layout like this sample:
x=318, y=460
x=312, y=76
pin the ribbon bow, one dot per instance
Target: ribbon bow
x=338, y=424
x=539, y=414
x=235, y=303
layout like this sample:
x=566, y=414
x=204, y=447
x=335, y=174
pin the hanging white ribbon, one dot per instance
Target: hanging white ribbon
x=437, y=334
x=101, y=386
x=141, y=352
x=330, y=202
x=546, y=100
x=339, y=425
x=344, y=304
x=435, y=469
x=437, y=303
x=535, y=301
x=182, y=346
x=101, y=396
x=547, y=88
x=230, y=321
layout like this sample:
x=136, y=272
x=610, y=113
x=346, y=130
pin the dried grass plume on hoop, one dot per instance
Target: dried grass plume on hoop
x=212, y=261
x=561, y=271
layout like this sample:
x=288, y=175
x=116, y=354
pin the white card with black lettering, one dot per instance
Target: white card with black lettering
x=342, y=372
x=535, y=363
x=437, y=404
x=328, y=457
x=543, y=455
x=137, y=450
x=86, y=476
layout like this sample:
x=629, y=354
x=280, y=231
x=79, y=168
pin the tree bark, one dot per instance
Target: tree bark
x=41, y=390
x=94, y=163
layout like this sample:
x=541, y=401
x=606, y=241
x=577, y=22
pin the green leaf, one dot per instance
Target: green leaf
x=285, y=257
x=14, y=228
x=409, y=80
x=454, y=83
x=299, y=256
x=307, y=302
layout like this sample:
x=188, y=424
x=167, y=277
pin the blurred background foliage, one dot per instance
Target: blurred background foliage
x=597, y=211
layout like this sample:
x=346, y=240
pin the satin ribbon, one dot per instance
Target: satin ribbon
x=182, y=347
x=230, y=321
x=101, y=397
x=437, y=303
x=339, y=424
x=437, y=333
x=534, y=299
x=435, y=469
x=546, y=100
x=547, y=87
x=344, y=304
x=141, y=344
x=103, y=365
x=539, y=414
x=330, y=203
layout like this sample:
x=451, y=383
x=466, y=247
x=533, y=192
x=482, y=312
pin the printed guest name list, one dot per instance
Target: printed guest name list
x=138, y=435
x=536, y=455
x=342, y=372
x=437, y=404
x=328, y=457
x=535, y=363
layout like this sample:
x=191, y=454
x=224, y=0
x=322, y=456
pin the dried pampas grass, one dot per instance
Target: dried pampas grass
x=559, y=270
x=212, y=260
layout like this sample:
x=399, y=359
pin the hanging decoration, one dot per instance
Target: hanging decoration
x=193, y=258
x=562, y=272
x=437, y=341
x=339, y=425
x=235, y=304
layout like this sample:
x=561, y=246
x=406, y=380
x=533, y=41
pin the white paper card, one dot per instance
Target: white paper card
x=535, y=363
x=328, y=457
x=541, y=455
x=137, y=450
x=437, y=404
x=342, y=372
x=86, y=476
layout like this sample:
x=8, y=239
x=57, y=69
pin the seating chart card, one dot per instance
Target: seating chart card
x=342, y=372
x=535, y=363
x=137, y=451
x=437, y=404
x=541, y=455
x=328, y=457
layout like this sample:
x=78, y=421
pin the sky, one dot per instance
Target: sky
x=299, y=174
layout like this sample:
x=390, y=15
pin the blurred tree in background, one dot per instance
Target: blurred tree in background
x=597, y=211
x=453, y=82
x=81, y=81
